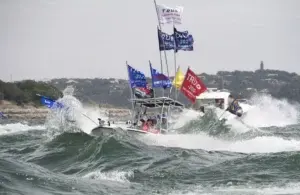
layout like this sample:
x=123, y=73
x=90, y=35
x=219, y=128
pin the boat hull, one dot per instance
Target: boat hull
x=101, y=130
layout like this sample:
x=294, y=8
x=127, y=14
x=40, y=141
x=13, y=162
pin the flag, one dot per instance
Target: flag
x=192, y=86
x=159, y=79
x=143, y=92
x=50, y=103
x=165, y=41
x=183, y=40
x=178, y=80
x=136, y=78
x=168, y=15
x=180, y=40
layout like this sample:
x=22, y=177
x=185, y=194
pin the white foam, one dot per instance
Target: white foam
x=262, y=144
x=289, y=188
x=120, y=176
x=186, y=116
x=17, y=127
x=268, y=111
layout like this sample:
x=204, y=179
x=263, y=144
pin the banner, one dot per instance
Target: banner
x=192, y=86
x=165, y=41
x=184, y=41
x=136, y=78
x=169, y=15
x=159, y=79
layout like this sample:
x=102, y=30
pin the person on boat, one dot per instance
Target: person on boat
x=164, y=122
x=145, y=125
x=153, y=125
x=201, y=109
x=101, y=122
x=234, y=107
x=220, y=103
x=149, y=126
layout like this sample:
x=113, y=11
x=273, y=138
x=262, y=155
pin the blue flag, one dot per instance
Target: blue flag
x=136, y=78
x=159, y=79
x=50, y=103
x=184, y=41
x=166, y=41
x=177, y=41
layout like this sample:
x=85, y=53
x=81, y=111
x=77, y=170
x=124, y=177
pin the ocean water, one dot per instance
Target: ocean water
x=259, y=156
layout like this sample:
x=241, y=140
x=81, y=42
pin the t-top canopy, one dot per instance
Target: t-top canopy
x=157, y=102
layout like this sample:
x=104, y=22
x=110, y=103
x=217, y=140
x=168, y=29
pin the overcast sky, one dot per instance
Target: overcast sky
x=93, y=38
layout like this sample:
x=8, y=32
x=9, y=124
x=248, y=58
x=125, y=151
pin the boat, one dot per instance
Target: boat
x=163, y=110
x=219, y=101
x=156, y=111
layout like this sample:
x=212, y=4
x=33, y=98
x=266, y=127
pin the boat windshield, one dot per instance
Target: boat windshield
x=210, y=102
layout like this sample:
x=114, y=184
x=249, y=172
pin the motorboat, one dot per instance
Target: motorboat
x=219, y=100
x=153, y=113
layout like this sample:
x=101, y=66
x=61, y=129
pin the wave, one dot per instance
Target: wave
x=287, y=188
x=120, y=176
x=263, y=144
x=225, y=159
x=18, y=127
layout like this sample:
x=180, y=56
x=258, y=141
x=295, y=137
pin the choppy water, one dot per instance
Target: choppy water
x=261, y=158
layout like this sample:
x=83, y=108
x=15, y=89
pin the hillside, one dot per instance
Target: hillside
x=115, y=92
x=24, y=92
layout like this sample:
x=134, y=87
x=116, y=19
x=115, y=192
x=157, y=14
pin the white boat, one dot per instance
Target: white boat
x=154, y=111
x=219, y=101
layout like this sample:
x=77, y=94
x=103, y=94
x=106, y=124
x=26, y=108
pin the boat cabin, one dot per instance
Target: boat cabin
x=212, y=97
x=157, y=113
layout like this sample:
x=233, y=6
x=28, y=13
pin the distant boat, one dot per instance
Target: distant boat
x=211, y=98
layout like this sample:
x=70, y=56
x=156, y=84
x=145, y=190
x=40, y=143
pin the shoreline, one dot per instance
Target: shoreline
x=29, y=111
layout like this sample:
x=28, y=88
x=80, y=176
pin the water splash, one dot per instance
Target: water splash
x=73, y=117
x=269, y=111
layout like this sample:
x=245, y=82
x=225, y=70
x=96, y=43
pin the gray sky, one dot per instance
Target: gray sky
x=93, y=38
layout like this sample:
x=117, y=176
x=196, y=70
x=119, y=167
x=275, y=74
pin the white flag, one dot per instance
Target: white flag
x=169, y=15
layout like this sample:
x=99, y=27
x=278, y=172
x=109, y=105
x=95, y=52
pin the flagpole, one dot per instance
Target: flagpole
x=162, y=69
x=175, y=81
x=130, y=91
x=162, y=40
x=150, y=65
x=175, y=61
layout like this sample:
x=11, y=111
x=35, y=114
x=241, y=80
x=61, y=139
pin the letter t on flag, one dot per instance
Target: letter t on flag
x=192, y=86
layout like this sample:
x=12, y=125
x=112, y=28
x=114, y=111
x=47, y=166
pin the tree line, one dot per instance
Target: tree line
x=24, y=92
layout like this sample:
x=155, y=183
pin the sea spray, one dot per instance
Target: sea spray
x=74, y=116
x=269, y=111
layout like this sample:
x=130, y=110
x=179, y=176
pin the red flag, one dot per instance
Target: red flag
x=145, y=89
x=192, y=85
